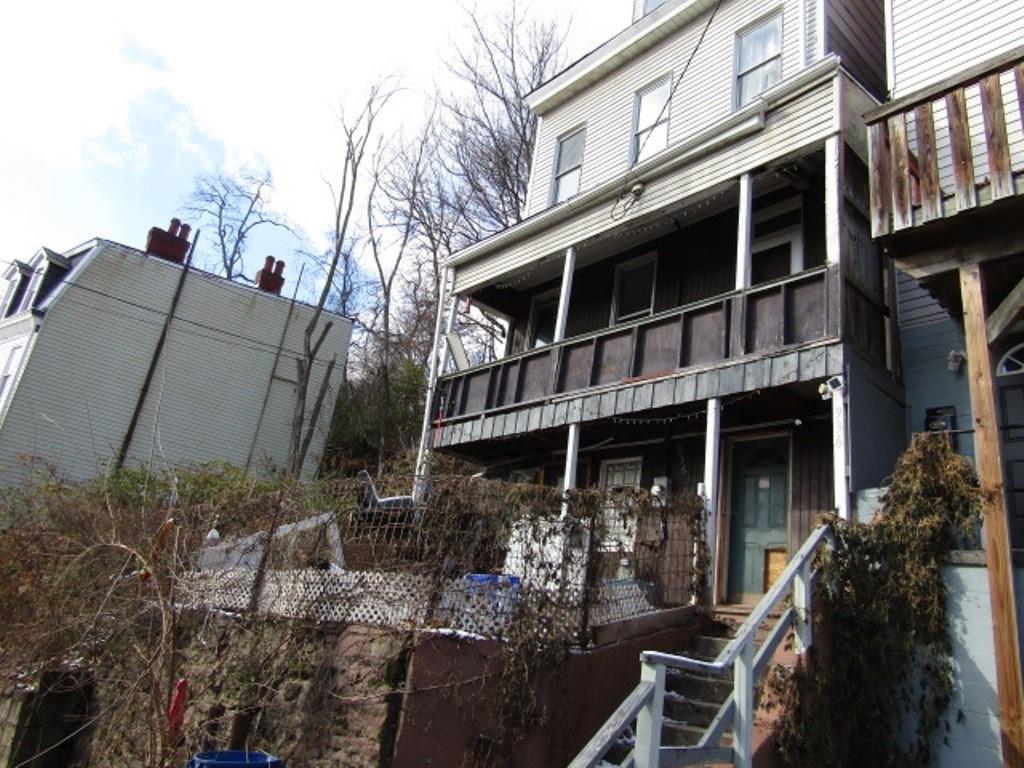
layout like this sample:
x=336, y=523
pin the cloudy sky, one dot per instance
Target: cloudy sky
x=111, y=108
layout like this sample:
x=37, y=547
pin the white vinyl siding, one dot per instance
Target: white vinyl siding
x=703, y=98
x=758, y=59
x=933, y=39
x=650, y=119
x=82, y=375
x=800, y=123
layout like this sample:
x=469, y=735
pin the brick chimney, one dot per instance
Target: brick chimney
x=170, y=244
x=271, y=278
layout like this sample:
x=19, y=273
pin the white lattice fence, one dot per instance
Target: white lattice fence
x=403, y=601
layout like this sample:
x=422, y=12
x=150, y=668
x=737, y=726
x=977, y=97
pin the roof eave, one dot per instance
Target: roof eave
x=639, y=37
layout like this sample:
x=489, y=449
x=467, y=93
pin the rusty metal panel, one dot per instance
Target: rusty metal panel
x=765, y=320
x=704, y=336
x=536, y=376
x=658, y=347
x=613, y=356
x=577, y=364
x=805, y=310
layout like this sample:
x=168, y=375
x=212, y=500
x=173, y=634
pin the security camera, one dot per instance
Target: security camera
x=637, y=189
x=830, y=386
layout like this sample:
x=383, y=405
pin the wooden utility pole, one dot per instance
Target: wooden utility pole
x=993, y=507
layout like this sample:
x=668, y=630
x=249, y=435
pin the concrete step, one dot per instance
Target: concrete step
x=694, y=687
x=690, y=711
x=707, y=647
x=676, y=734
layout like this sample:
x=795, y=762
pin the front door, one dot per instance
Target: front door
x=1010, y=389
x=757, y=530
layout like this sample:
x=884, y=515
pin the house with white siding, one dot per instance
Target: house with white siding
x=947, y=206
x=110, y=354
x=694, y=300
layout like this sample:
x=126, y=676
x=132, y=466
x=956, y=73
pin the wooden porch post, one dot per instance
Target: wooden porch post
x=712, y=439
x=743, y=232
x=993, y=505
x=437, y=366
x=833, y=198
x=840, y=480
x=572, y=450
x=565, y=294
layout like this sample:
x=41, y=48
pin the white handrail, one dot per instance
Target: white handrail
x=738, y=655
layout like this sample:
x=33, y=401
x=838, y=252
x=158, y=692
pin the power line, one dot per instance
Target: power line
x=627, y=203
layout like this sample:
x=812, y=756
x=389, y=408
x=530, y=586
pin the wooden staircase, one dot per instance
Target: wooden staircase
x=688, y=709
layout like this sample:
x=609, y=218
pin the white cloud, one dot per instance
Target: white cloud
x=263, y=79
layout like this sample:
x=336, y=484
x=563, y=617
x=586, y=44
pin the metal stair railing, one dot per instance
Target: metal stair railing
x=646, y=701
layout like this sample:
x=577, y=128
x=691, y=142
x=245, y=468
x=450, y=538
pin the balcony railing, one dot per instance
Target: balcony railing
x=794, y=310
x=948, y=148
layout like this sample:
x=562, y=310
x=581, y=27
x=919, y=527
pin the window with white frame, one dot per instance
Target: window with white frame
x=650, y=119
x=758, y=59
x=776, y=245
x=633, y=294
x=650, y=5
x=543, y=317
x=568, y=166
x=19, y=279
x=619, y=476
x=7, y=372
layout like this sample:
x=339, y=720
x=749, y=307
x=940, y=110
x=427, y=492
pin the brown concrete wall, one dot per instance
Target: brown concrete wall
x=451, y=707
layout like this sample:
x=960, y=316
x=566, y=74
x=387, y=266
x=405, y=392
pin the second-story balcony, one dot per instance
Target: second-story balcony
x=948, y=154
x=665, y=314
x=790, y=312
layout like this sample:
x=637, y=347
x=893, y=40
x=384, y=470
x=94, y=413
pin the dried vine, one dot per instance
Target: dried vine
x=877, y=692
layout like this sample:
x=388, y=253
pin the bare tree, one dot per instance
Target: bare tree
x=488, y=128
x=236, y=205
x=477, y=146
x=357, y=133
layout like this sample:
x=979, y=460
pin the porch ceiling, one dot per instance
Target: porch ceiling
x=778, y=406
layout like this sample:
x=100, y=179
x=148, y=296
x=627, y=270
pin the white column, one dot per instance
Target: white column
x=712, y=441
x=743, y=232
x=572, y=450
x=840, y=481
x=743, y=691
x=436, y=369
x=647, y=752
x=566, y=294
x=833, y=182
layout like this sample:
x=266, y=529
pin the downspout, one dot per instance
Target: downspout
x=273, y=371
x=141, y=401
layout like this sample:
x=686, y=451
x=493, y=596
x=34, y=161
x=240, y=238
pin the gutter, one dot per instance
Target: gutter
x=738, y=125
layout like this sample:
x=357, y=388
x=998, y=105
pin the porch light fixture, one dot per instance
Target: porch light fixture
x=955, y=359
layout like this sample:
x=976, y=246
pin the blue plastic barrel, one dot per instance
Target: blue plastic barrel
x=234, y=758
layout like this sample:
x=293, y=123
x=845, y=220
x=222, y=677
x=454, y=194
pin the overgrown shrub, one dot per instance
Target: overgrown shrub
x=91, y=575
x=877, y=692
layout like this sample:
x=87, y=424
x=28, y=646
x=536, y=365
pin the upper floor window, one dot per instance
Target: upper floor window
x=650, y=119
x=7, y=373
x=568, y=166
x=650, y=5
x=543, y=315
x=634, y=288
x=19, y=288
x=758, y=59
x=776, y=246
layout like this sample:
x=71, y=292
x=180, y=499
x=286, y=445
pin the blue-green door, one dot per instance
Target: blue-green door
x=758, y=504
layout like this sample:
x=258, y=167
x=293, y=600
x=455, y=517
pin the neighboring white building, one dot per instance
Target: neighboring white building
x=79, y=333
